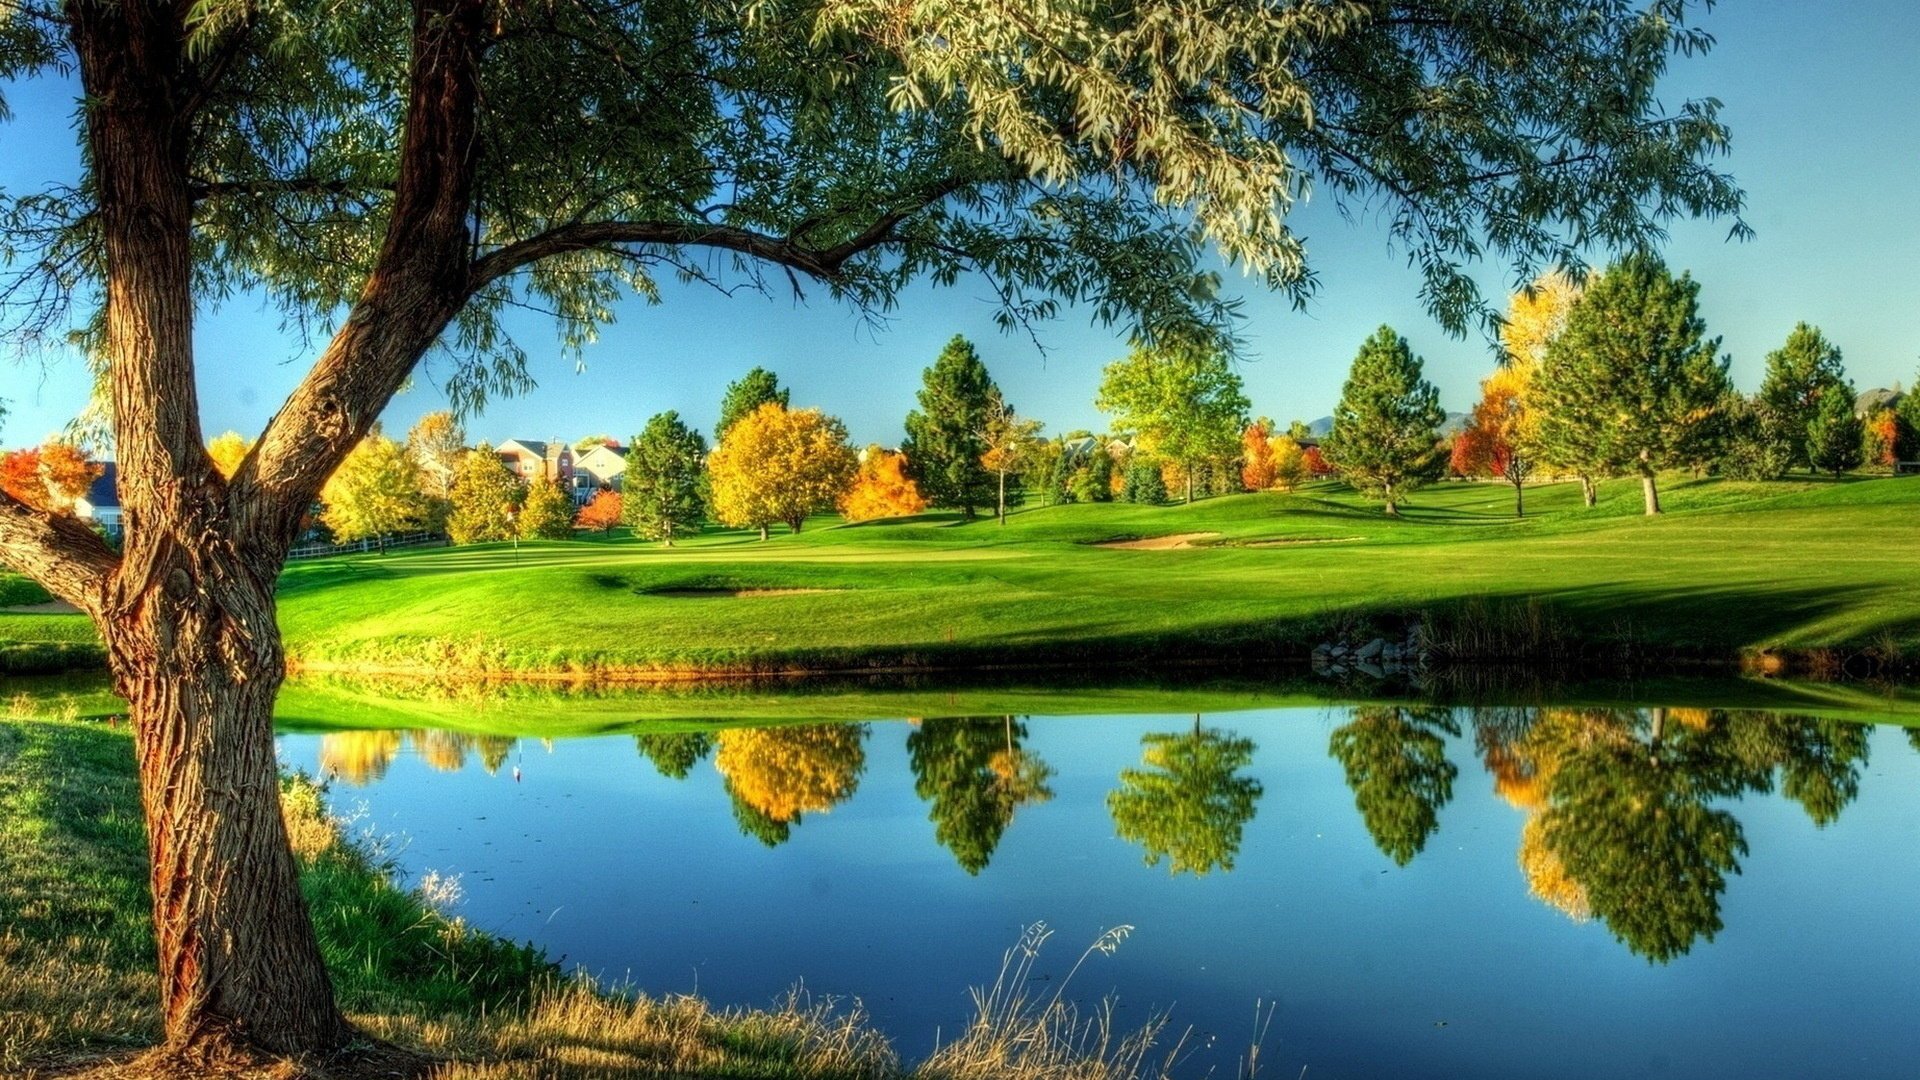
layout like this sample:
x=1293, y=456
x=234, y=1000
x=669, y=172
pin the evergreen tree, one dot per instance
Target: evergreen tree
x=946, y=435
x=1100, y=473
x=1798, y=374
x=661, y=487
x=1835, y=435
x=1183, y=402
x=1396, y=763
x=1633, y=383
x=1751, y=451
x=975, y=774
x=1144, y=484
x=745, y=394
x=1909, y=411
x=1386, y=430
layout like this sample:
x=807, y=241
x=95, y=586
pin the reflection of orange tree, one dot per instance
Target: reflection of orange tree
x=775, y=774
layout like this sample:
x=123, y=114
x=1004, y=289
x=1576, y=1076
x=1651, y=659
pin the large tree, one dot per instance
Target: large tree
x=661, y=486
x=747, y=393
x=374, y=493
x=1799, y=374
x=1633, y=380
x=947, y=434
x=975, y=776
x=396, y=178
x=1183, y=402
x=1386, y=429
x=1188, y=802
x=1396, y=764
x=779, y=464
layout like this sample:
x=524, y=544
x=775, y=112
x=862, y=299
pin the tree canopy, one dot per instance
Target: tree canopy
x=947, y=434
x=747, y=393
x=1187, y=803
x=661, y=489
x=1386, y=429
x=1184, y=402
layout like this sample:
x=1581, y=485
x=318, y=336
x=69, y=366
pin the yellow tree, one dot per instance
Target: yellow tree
x=228, y=449
x=779, y=464
x=374, y=493
x=881, y=488
x=1257, y=471
x=49, y=478
x=547, y=512
x=1289, y=462
x=1535, y=316
x=1011, y=440
x=783, y=772
x=1497, y=439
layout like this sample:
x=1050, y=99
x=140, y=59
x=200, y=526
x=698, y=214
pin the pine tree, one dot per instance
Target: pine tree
x=946, y=434
x=1386, y=429
x=1835, y=434
x=745, y=394
x=1798, y=374
x=1144, y=484
x=661, y=486
x=1633, y=383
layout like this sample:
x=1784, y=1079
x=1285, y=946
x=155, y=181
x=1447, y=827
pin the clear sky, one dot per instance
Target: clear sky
x=1823, y=100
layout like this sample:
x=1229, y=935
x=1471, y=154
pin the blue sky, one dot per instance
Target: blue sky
x=1823, y=99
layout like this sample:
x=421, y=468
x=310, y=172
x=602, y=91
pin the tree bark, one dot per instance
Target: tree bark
x=1650, y=491
x=1001, y=511
x=1588, y=496
x=1519, y=500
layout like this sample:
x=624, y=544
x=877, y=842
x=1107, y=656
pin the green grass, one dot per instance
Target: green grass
x=1731, y=568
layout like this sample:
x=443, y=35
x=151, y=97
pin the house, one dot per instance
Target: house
x=529, y=459
x=1872, y=401
x=598, y=468
x=101, y=504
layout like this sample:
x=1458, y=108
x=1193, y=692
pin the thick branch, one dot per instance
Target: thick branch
x=58, y=551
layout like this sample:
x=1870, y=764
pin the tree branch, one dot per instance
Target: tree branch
x=58, y=551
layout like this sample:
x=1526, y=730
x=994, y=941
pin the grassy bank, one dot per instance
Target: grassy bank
x=1795, y=567
x=77, y=989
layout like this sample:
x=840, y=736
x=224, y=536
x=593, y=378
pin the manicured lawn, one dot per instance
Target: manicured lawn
x=1730, y=567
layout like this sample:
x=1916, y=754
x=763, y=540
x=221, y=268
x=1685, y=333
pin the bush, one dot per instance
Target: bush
x=16, y=591
x=1144, y=484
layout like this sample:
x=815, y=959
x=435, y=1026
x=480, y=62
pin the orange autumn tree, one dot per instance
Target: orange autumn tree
x=881, y=488
x=1257, y=469
x=1493, y=442
x=49, y=478
x=601, y=514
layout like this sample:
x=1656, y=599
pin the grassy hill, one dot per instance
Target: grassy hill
x=1730, y=568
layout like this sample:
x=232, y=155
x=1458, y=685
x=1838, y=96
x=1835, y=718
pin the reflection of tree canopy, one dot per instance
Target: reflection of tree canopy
x=1186, y=804
x=358, y=757
x=1396, y=762
x=674, y=754
x=445, y=751
x=494, y=750
x=976, y=774
x=774, y=774
x=1619, y=818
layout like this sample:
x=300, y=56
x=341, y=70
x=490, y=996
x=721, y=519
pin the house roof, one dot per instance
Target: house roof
x=104, y=493
x=1872, y=401
x=536, y=447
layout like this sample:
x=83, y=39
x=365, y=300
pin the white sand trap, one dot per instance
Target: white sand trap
x=1159, y=543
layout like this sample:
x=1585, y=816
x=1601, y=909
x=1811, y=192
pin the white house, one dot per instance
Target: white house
x=598, y=468
x=101, y=504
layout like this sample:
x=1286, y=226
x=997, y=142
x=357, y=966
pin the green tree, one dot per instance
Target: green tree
x=1396, y=764
x=1799, y=374
x=1752, y=449
x=661, y=488
x=1143, y=483
x=1909, y=410
x=1633, y=383
x=546, y=513
x=375, y=492
x=1184, y=403
x=976, y=775
x=1835, y=436
x=1187, y=803
x=947, y=434
x=747, y=393
x=674, y=753
x=1386, y=429
x=403, y=177
x=485, y=497
x=1012, y=446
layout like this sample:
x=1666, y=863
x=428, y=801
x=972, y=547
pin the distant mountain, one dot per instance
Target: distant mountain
x=1451, y=425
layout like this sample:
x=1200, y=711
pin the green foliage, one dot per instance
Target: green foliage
x=1187, y=803
x=547, y=511
x=485, y=497
x=947, y=434
x=1799, y=374
x=674, y=754
x=16, y=590
x=976, y=776
x=661, y=490
x=1752, y=449
x=1835, y=435
x=1386, y=428
x=1143, y=484
x=1632, y=383
x=1909, y=410
x=1396, y=764
x=747, y=393
x=1183, y=402
x=376, y=492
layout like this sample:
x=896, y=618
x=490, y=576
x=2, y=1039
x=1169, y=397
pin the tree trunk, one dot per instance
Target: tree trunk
x=1519, y=500
x=1188, y=467
x=197, y=655
x=1650, y=490
x=1588, y=495
x=1001, y=512
x=1392, y=510
x=763, y=531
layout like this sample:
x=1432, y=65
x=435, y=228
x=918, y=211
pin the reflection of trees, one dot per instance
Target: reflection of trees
x=977, y=776
x=775, y=774
x=358, y=757
x=1620, y=822
x=494, y=750
x=674, y=754
x=445, y=751
x=1396, y=762
x=1187, y=803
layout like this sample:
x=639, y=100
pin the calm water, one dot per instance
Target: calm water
x=1418, y=892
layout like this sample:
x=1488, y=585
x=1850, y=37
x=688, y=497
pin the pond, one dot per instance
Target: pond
x=1406, y=890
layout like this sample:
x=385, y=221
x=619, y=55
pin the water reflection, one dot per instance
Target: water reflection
x=1188, y=802
x=1628, y=815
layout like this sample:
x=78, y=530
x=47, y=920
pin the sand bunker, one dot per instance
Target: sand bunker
x=1159, y=543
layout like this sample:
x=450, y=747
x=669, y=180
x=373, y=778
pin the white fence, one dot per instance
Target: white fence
x=413, y=539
